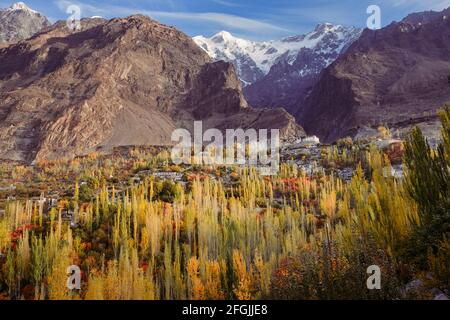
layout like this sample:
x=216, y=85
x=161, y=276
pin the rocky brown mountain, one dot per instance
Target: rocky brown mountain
x=128, y=81
x=396, y=76
x=19, y=22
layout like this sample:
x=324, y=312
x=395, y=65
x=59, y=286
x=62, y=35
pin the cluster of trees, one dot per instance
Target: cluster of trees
x=160, y=241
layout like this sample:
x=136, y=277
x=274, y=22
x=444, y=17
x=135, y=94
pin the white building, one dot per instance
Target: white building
x=305, y=142
x=311, y=140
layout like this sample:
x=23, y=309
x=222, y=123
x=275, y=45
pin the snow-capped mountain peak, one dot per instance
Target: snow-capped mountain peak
x=19, y=22
x=223, y=36
x=325, y=27
x=21, y=6
x=297, y=67
x=253, y=59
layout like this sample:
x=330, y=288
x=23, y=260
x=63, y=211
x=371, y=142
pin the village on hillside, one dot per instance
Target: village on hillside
x=47, y=188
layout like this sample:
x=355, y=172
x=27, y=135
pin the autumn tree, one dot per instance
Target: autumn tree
x=196, y=287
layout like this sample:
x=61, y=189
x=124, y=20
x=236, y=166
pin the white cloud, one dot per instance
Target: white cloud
x=333, y=12
x=227, y=3
x=225, y=20
x=221, y=19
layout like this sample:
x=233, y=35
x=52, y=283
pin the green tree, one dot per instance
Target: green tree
x=428, y=183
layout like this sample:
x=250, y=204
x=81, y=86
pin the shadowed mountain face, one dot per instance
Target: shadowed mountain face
x=280, y=73
x=19, y=22
x=294, y=74
x=396, y=76
x=116, y=83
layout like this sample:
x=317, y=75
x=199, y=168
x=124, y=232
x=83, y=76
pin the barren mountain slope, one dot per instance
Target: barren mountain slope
x=122, y=82
x=396, y=76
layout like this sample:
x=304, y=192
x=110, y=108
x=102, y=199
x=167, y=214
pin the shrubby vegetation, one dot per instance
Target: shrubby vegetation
x=292, y=236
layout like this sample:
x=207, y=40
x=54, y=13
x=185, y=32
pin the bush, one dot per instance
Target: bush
x=169, y=192
x=345, y=142
x=439, y=265
x=384, y=132
x=330, y=274
x=86, y=193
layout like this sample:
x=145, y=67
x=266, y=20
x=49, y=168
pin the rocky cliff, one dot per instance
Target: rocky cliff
x=128, y=81
x=19, y=22
x=396, y=76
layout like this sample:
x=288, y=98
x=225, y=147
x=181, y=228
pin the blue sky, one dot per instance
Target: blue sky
x=252, y=19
